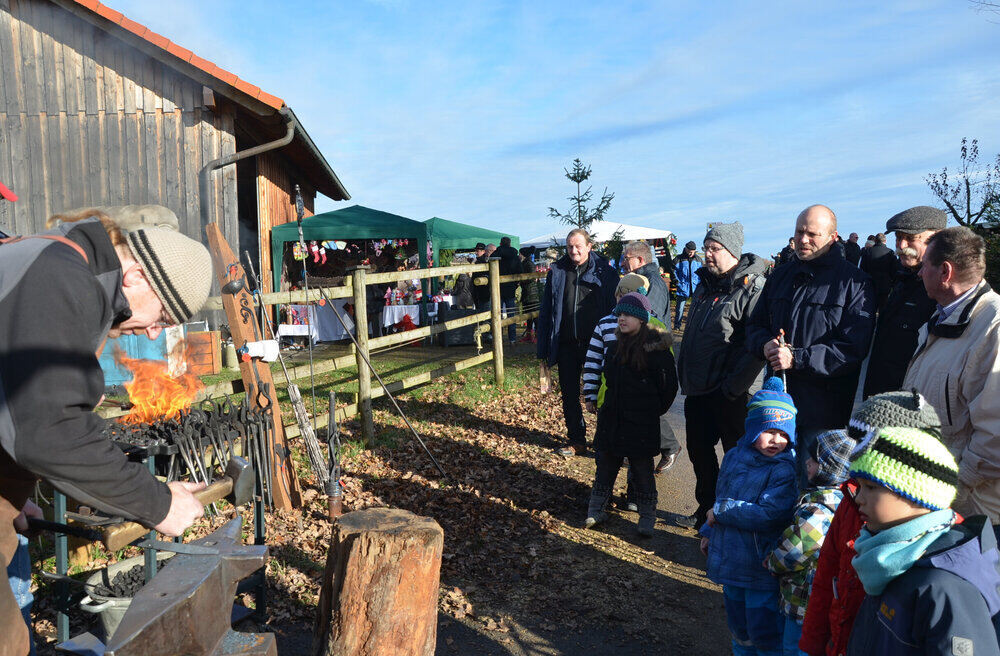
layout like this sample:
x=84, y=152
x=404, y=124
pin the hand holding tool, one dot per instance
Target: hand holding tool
x=237, y=485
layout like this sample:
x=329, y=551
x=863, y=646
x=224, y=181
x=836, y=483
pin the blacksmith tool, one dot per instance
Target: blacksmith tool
x=187, y=608
x=36, y=524
x=237, y=485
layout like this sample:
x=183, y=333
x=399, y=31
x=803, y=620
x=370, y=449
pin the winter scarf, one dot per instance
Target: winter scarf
x=885, y=555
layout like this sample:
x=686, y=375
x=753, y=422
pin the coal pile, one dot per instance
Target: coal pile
x=125, y=584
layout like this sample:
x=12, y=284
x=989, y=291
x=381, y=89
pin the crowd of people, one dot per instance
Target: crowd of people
x=834, y=527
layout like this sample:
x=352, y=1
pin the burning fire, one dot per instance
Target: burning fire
x=155, y=394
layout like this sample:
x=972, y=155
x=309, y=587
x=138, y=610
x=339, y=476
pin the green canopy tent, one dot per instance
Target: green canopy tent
x=354, y=222
x=451, y=235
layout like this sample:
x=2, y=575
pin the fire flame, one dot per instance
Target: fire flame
x=155, y=394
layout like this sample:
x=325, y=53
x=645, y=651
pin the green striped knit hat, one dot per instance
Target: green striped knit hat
x=911, y=462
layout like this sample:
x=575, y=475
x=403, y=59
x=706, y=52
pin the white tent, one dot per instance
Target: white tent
x=602, y=231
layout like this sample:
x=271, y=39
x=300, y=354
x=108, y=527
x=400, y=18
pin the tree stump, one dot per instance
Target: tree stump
x=380, y=586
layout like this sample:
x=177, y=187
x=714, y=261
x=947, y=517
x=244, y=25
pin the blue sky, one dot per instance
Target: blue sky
x=688, y=112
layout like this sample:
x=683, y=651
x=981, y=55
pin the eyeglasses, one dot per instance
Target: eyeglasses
x=714, y=249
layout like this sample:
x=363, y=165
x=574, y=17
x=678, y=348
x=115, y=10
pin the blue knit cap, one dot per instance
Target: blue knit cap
x=635, y=305
x=771, y=408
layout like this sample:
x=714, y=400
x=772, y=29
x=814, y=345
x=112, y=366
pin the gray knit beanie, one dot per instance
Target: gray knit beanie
x=178, y=268
x=729, y=235
x=896, y=409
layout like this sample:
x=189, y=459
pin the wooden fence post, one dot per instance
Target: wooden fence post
x=496, y=328
x=380, y=587
x=364, y=375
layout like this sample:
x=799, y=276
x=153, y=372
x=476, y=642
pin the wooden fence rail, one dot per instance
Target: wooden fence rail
x=353, y=288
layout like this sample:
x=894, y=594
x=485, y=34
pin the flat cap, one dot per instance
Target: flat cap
x=917, y=219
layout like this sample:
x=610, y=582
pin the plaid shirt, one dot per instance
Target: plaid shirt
x=793, y=560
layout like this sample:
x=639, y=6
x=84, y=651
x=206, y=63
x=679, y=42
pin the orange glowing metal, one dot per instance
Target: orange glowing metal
x=155, y=394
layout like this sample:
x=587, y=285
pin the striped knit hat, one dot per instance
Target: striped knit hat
x=907, y=409
x=635, y=305
x=771, y=408
x=178, y=268
x=911, y=462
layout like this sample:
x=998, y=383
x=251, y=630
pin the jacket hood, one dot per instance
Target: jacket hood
x=969, y=551
x=659, y=339
x=824, y=496
x=748, y=265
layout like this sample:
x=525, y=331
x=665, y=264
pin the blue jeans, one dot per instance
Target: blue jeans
x=679, y=311
x=509, y=308
x=791, y=636
x=754, y=621
x=19, y=575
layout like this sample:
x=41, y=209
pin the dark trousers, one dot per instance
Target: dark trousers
x=709, y=418
x=509, y=308
x=570, y=363
x=641, y=470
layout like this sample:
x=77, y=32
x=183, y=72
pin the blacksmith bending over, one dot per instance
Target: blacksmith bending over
x=60, y=299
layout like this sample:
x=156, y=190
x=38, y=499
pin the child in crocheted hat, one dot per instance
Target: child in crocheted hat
x=837, y=593
x=794, y=558
x=593, y=382
x=930, y=578
x=755, y=497
x=641, y=382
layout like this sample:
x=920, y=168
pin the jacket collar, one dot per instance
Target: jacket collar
x=748, y=265
x=831, y=257
x=955, y=323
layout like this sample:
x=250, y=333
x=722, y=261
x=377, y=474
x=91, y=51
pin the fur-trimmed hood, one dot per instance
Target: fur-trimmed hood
x=659, y=339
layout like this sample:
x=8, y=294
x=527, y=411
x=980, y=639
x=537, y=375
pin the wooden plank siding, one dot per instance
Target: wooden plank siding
x=90, y=120
x=275, y=206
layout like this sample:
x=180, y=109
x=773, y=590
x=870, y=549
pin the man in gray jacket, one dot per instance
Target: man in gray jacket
x=714, y=368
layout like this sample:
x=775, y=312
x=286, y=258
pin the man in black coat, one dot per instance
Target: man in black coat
x=881, y=264
x=908, y=306
x=510, y=264
x=579, y=291
x=787, y=254
x=481, y=293
x=852, y=250
x=826, y=308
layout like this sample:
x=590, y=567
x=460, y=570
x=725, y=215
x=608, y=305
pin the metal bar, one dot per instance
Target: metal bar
x=62, y=568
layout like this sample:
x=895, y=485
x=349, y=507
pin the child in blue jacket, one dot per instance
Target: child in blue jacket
x=755, y=498
x=930, y=577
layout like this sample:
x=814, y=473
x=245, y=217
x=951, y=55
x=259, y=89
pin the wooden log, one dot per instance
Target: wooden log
x=364, y=375
x=380, y=588
x=495, y=326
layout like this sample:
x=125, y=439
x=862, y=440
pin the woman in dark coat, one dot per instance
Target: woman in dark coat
x=641, y=381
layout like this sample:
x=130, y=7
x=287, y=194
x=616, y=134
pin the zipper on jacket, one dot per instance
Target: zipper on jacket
x=709, y=312
x=947, y=397
x=576, y=305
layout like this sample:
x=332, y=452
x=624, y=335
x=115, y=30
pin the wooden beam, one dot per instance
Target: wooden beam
x=256, y=374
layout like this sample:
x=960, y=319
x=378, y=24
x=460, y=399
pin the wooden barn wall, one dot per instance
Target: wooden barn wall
x=87, y=120
x=275, y=205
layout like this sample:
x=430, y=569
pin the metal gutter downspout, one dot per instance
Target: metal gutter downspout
x=203, y=177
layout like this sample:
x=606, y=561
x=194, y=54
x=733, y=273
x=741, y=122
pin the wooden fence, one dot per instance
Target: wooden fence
x=354, y=288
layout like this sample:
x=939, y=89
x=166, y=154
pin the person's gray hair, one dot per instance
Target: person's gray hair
x=964, y=249
x=640, y=247
x=581, y=232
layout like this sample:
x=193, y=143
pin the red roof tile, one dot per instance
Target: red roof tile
x=182, y=53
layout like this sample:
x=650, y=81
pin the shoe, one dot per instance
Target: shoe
x=694, y=521
x=665, y=463
x=647, y=515
x=595, y=519
x=632, y=506
x=572, y=450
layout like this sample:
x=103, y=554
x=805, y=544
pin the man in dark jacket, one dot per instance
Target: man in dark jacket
x=686, y=267
x=638, y=258
x=852, y=250
x=510, y=264
x=826, y=308
x=579, y=290
x=786, y=255
x=714, y=367
x=61, y=297
x=908, y=306
x=881, y=264
x=481, y=293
